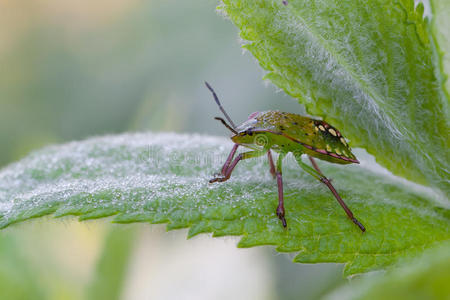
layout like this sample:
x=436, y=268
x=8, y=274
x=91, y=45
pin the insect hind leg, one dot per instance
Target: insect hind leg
x=316, y=173
x=280, y=207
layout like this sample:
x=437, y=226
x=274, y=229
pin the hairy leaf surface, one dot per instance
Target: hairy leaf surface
x=163, y=178
x=441, y=31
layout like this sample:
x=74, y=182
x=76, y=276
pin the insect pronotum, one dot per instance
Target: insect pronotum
x=283, y=133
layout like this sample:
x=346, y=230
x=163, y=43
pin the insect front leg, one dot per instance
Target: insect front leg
x=278, y=173
x=229, y=158
x=238, y=158
x=316, y=173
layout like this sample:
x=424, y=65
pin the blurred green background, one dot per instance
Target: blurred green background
x=70, y=69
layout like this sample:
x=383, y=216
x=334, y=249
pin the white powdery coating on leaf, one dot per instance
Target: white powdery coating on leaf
x=166, y=166
x=133, y=170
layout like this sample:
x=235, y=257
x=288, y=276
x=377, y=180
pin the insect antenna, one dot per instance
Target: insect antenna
x=226, y=125
x=232, y=127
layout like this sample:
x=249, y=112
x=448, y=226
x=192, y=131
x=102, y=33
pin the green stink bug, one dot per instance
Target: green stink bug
x=283, y=133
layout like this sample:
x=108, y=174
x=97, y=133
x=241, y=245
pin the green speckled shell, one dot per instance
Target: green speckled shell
x=292, y=132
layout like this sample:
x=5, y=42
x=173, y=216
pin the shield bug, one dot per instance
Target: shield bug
x=283, y=132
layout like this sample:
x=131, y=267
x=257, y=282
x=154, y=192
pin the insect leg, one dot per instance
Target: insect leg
x=319, y=176
x=271, y=164
x=280, y=208
x=230, y=157
x=314, y=164
x=238, y=158
x=227, y=162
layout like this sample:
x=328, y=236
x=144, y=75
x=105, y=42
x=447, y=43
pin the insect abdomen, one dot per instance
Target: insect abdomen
x=319, y=138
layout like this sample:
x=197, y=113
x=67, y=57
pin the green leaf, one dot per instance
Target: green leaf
x=111, y=268
x=441, y=32
x=163, y=178
x=424, y=278
x=17, y=275
x=369, y=67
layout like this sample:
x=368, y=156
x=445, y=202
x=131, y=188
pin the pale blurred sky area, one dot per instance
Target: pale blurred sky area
x=70, y=69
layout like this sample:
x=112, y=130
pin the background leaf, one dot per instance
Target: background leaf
x=163, y=178
x=423, y=278
x=111, y=269
x=441, y=32
x=370, y=68
x=16, y=274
